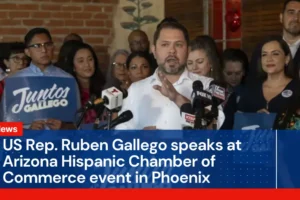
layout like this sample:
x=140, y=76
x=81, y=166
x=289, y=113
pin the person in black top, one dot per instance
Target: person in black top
x=278, y=84
x=234, y=68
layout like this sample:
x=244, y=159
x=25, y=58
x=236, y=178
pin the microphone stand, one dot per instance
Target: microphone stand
x=100, y=111
x=200, y=121
x=109, y=119
x=215, y=113
x=78, y=123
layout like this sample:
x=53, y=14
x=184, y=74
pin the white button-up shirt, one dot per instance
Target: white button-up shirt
x=150, y=108
x=294, y=47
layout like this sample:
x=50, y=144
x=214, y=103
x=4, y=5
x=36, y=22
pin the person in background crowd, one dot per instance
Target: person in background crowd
x=117, y=75
x=13, y=59
x=279, y=84
x=138, y=66
x=40, y=48
x=289, y=17
x=139, y=42
x=64, y=52
x=168, y=88
x=235, y=68
x=203, y=58
x=82, y=63
x=3, y=47
x=72, y=37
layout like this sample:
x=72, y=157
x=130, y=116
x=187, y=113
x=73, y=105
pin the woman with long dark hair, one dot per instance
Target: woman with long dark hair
x=279, y=80
x=82, y=63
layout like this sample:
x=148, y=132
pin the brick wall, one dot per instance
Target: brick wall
x=92, y=19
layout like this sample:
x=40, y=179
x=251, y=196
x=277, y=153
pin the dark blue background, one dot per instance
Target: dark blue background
x=254, y=167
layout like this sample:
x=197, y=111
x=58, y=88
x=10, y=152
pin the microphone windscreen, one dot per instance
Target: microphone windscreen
x=125, y=93
x=125, y=116
x=187, y=108
x=197, y=85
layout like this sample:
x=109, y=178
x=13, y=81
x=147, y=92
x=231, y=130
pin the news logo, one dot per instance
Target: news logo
x=190, y=118
x=11, y=129
x=114, y=98
x=218, y=92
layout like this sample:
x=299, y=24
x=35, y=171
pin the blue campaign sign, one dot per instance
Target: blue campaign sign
x=27, y=99
x=258, y=142
x=254, y=121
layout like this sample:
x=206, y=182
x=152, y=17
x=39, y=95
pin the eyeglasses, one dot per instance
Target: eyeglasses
x=119, y=65
x=18, y=59
x=39, y=47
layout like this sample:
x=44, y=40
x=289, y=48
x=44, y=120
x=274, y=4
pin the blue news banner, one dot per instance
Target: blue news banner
x=150, y=159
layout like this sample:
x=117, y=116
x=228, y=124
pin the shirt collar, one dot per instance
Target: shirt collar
x=184, y=76
x=36, y=69
x=297, y=43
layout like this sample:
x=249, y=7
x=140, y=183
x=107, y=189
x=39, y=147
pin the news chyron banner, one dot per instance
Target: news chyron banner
x=26, y=99
x=149, y=159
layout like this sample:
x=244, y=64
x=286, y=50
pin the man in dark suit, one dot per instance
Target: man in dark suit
x=290, y=19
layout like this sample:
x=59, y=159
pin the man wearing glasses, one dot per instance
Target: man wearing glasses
x=40, y=48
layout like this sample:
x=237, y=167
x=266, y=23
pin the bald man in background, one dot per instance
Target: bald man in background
x=138, y=41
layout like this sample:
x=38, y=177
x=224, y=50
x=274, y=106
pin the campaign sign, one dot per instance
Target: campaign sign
x=254, y=121
x=27, y=99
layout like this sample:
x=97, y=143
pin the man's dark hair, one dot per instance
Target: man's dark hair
x=172, y=24
x=35, y=31
x=287, y=2
x=167, y=19
x=74, y=36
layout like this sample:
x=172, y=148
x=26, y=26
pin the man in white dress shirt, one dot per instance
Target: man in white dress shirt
x=290, y=19
x=155, y=101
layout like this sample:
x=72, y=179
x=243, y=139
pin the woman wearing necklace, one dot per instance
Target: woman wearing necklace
x=279, y=80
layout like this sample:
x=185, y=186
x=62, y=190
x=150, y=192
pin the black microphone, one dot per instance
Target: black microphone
x=125, y=93
x=124, y=117
x=89, y=104
x=200, y=95
x=201, y=99
x=187, y=108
